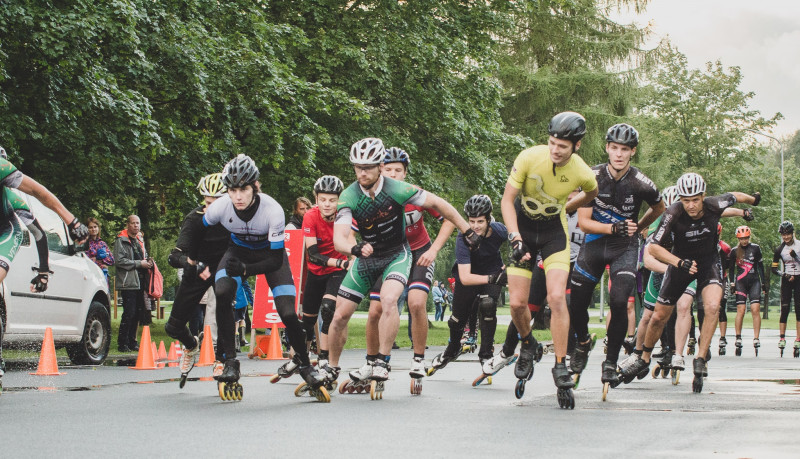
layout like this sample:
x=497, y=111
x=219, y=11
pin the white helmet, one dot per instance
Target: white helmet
x=367, y=152
x=669, y=195
x=691, y=184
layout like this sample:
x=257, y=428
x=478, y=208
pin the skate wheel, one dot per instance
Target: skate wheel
x=331, y=386
x=756, y=352
x=489, y=381
x=431, y=371
x=477, y=382
x=576, y=379
x=664, y=372
x=183, y=381
x=722, y=351
x=656, y=371
x=416, y=386
x=738, y=352
x=519, y=390
x=359, y=389
x=322, y=395
x=676, y=377
x=343, y=387
x=566, y=400
x=605, y=390
x=537, y=356
x=275, y=378
x=239, y=392
x=222, y=390
x=301, y=389
x=697, y=384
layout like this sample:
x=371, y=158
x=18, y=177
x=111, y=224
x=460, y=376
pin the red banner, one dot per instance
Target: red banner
x=264, y=312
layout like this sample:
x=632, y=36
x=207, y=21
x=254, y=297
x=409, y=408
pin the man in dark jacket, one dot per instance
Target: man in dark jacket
x=132, y=266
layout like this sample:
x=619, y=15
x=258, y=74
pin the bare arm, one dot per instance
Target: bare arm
x=467, y=278
x=651, y=215
x=427, y=258
x=733, y=212
x=37, y=190
x=651, y=263
x=508, y=211
x=743, y=198
x=663, y=255
x=446, y=210
x=579, y=200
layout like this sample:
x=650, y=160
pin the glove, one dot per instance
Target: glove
x=793, y=254
x=733, y=289
x=472, y=239
x=685, y=264
x=356, y=250
x=234, y=267
x=200, y=267
x=518, y=250
x=78, y=231
x=498, y=278
x=344, y=264
x=756, y=195
x=748, y=215
x=102, y=253
x=39, y=282
x=620, y=228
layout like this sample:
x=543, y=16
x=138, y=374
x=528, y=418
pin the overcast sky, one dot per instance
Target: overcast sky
x=760, y=37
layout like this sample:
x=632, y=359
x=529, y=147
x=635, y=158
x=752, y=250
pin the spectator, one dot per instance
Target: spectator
x=301, y=206
x=132, y=265
x=98, y=250
x=437, y=301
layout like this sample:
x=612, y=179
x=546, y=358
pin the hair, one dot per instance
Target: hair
x=303, y=200
x=91, y=220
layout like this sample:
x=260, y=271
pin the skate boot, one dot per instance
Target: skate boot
x=782, y=345
x=530, y=352
x=660, y=353
x=738, y=345
x=723, y=343
x=677, y=366
x=796, y=348
x=605, y=345
x=633, y=369
x=663, y=364
x=359, y=379
x=491, y=367
x=470, y=344
x=380, y=373
x=700, y=371
x=580, y=357
x=216, y=370
x=313, y=383
x=690, y=346
x=330, y=374
x=629, y=344
x=228, y=382
x=563, y=380
x=441, y=360
x=286, y=370
x=756, y=345
x=188, y=359
x=609, y=377
x=417, y=372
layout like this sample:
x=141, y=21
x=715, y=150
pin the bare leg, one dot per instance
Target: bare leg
x=390, y=318
x=755, y=310
x=417, y=302
x=657, y=322
x=712, y=294
x=373, y=319
x=559, y=320
x=683, y=323
x=337, y=333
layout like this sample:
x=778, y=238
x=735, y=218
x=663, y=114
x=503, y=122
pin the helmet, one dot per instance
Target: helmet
x=568, y=126
x=3, y=153
x=623, y=134
x=240, y=171
x=786, y=228
x=743, y=231
x=328, y=184
x=691, y=184
x=396, y=155
x=478, y=206
x=211, y=185
x=367, y=152
x=669, y=195
x=719, y=228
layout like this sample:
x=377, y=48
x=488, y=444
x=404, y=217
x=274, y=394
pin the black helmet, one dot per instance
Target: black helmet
x=786, y=228
x=623, y=134
x=396, y=155
x=239, y=172
x=328, y=184
x=478, y=206
x=568, y=126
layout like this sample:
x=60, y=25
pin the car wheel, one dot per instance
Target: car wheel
x=93, y=346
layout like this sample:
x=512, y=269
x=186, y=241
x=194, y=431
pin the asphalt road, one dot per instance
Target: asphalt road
x=750, y=407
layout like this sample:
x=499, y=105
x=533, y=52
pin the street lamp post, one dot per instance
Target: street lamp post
x=766, y=302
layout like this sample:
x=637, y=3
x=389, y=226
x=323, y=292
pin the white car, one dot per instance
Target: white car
x=75, y=304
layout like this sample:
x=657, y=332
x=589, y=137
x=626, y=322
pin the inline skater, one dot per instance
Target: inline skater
x=543, y=176
x=480, y=277
x=691, y=224
x=611, y=227
x=788, y=252
x=748, y=283
x=11, y=234
x=377, y=204
x=395, y=166
x=199, y=258
x=326, y=267
x=256, y=223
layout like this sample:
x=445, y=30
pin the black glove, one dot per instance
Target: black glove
x=620, y=228
x=518, y=250
x=756, y=195
x=344, y=264
x=234, y=267
x=472, y=239
x=792, y=253
x=199, y=268
x=356, y=250
x=685, y=264
x=498, y=278
x=748, y=215
x=78, y=231
x=40, y=281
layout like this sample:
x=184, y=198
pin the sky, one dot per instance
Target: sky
x=760, y=37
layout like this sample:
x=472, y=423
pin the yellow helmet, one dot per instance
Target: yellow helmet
x=211, y=185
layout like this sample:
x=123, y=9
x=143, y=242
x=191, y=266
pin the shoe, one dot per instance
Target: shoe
x=395, y=346
x=677, y=362
x=124, y=349
x=189, y=358
x=363, y=373
x=496, y=363
x=418, y=369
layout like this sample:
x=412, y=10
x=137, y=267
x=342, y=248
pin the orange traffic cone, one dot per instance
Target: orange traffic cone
x=172, y=357
x=206, y=349
x=48, y=365
x=145, y=360
x=162, y=351
x=178, y=349
x=274, y=349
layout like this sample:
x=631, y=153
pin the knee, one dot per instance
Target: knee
x=557, y=300
x=174, y=328
x=487, y=307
